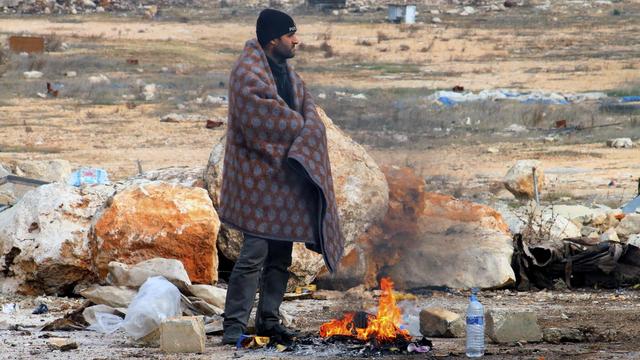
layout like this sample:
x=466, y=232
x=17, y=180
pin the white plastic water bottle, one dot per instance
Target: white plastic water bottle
x=475, y=327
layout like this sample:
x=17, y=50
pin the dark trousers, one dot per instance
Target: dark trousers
x=264, y=262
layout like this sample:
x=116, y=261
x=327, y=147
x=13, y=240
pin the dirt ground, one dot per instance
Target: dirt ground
x=607, y=318
x=188, y=54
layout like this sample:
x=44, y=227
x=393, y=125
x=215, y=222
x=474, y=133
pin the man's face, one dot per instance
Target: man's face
x=285, y=46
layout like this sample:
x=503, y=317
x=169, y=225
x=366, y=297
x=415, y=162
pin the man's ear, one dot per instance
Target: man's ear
x=274, y=42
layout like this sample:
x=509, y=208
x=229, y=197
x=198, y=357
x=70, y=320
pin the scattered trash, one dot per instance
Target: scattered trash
x=70, y=322
x=212, y=124
x=26, y=44
x=132, y=61
x=252, y=342
x=618, y=143
x=54, y=89
x=99, y=80
x=458, y=89
x=32, y=74
x=157, y=299
x=561, y=124
x=450, y=98
x=10, y=308
x=70, y=74
x=40, y=309
x=88, y=176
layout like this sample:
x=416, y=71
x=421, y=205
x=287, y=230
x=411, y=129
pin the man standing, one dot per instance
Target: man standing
x=276, y=186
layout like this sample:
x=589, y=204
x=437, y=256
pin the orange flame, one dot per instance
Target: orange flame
x=384, y=327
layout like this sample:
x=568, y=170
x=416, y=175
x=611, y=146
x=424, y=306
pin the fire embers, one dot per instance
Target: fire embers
x=383, y=328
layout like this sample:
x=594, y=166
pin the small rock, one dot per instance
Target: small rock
x=468, y=10
x=493, y=150
x=560, y=335
x=70, y=74
x=62, y=344
x=519, y=179
x=211, y=294
x=436, y=20
x=610, y=235
x=32, y=74
x=176, y=118
x=113, y=296
x=99, y=80
x=327, y=295
x=434, y=12
x=634, y=240
x=516, y=128
x=439, y=322
x=149, y=92
x=620, y=143
x=510, y=327
x=629, y=225
x=183, y=334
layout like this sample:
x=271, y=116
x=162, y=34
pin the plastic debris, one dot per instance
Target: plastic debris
x=40, y=309
x=252, y=342
x=450, y=98
x=10, y=308
x=88, y=176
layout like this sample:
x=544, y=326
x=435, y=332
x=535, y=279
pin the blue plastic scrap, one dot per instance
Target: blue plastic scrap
x=446, y=101
x=633, y=98
x=631, y=206
x=88, y=176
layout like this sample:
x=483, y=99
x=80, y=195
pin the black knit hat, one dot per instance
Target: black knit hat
x=272, y=24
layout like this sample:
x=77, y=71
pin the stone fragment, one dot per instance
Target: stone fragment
x=512, y=326
x=610, y=235
x=327, y=295
x=439, y=322
x=100, y=79
x=134, y=276
x=182, y=335
x=629, y=225
x=561, y=335
x=46, y=170
x=32, y=74
x=178, y=175
x=113, y=296
x=211, y=294
x=62, y=344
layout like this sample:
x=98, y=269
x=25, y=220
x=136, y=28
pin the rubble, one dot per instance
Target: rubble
x=512, y=326
x=182, y=335
x=562, y=335
x=90, y=312
x=46, y=170
x=32, y=74
x=62, y=344
x=629, y=225
x=211, y=294
x=439, y=322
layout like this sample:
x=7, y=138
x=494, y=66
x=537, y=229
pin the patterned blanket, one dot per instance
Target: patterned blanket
x=277, y=179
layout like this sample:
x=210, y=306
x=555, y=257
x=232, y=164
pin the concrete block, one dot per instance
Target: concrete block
x=510, y=326
x=182, y=334
x=439, y=322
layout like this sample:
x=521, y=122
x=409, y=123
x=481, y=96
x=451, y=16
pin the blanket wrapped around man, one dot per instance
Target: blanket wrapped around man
x=276, y=181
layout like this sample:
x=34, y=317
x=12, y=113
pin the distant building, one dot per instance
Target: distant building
x=402, y=13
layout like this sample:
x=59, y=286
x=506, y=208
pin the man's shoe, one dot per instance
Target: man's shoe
x=279, y=334
x=231, y=335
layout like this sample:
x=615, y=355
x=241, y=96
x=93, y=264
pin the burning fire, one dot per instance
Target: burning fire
x=383, y=327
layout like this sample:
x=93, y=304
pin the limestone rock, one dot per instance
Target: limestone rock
x=113, y=296
x=580, y=213
x=182, y=335
x=46, y=170
x=62, y=344
x=620, y=143
x=629, y=225
x=44, y=239
x=211, y=294
x=610, y=235
x=158, y=219
x=360, y=188
x=439, y=322
x=508, y=326
x=134, y=276
x=519, y=179
x=179, y=175
x=634, y=240
x=428, y=239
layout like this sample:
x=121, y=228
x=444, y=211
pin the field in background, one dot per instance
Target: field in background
x=371, y=77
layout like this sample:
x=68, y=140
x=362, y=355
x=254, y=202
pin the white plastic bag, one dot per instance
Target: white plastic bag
x=156, y=300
